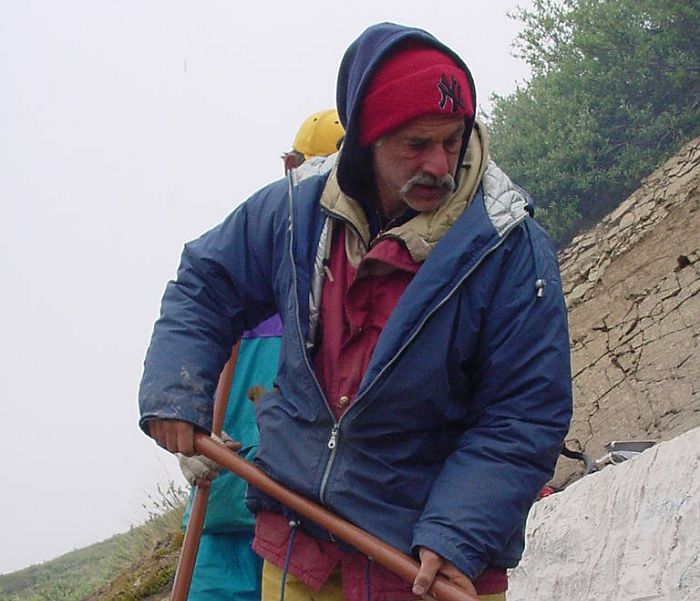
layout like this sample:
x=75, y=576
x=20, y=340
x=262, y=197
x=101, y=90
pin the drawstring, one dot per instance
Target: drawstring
x=327, y=269
x=367, y=572
x=293, y=524
x=540, y=282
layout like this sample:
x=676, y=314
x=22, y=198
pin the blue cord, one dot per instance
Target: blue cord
x=293, y=524
x=367, y=573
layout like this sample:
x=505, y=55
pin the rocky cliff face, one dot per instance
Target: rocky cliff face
x=632, y=286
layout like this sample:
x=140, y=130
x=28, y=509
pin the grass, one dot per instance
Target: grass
x=125, y=567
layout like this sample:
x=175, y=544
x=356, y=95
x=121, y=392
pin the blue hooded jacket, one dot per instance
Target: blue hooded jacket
x=461, y=414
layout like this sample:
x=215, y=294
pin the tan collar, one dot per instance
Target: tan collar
x=424, y=231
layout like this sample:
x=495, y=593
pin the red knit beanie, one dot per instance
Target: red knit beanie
x=414, y=82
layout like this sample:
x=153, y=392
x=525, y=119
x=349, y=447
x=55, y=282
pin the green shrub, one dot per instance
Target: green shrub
x=615, y=91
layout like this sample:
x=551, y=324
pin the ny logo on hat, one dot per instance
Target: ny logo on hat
x=453, y=91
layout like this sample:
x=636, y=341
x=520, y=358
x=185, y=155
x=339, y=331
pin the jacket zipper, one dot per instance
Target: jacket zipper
x=333, y=439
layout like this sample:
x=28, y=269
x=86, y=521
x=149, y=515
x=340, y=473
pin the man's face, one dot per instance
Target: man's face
x=292, y=160
x=415, y=165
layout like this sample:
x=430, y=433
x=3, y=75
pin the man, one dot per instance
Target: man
x=318, y=138
x=424, y=384
x=226, y=566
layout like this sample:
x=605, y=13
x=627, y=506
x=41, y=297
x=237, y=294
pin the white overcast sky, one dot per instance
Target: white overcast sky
x=127, y=128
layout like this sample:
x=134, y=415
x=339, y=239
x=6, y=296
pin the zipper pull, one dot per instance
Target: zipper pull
x=333, y=440
x=539, y=286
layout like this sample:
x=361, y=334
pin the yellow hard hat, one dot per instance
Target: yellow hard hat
x=319, y=134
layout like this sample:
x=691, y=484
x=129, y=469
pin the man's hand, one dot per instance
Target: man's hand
x=200, y=470
x=175, y=435
x=430, y=564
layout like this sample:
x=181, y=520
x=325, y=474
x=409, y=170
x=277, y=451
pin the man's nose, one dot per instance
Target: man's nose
x=436, y=161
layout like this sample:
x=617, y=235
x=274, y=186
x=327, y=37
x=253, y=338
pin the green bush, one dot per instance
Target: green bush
x=615, y=90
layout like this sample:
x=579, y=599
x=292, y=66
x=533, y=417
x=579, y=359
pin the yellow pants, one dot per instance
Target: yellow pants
x=297, y=591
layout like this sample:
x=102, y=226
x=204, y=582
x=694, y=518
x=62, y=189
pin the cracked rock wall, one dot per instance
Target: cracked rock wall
x=632, y=286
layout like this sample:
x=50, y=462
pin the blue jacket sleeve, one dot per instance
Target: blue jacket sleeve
x=224, y=285
x=521, y=408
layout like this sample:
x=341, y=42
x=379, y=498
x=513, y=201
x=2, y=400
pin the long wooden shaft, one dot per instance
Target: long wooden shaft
x=193, y=532
x=378, y=550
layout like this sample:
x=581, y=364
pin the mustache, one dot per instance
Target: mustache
x=447, y=182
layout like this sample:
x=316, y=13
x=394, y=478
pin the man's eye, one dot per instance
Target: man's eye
x=453, y=144
x=417, y=145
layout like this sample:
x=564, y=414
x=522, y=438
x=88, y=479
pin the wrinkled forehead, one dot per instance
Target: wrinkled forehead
x=429, y=127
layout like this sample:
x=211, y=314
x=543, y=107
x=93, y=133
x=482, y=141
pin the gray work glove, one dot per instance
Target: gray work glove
x=201, y=468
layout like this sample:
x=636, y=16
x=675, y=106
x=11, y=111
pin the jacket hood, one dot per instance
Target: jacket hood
x=359, y=63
